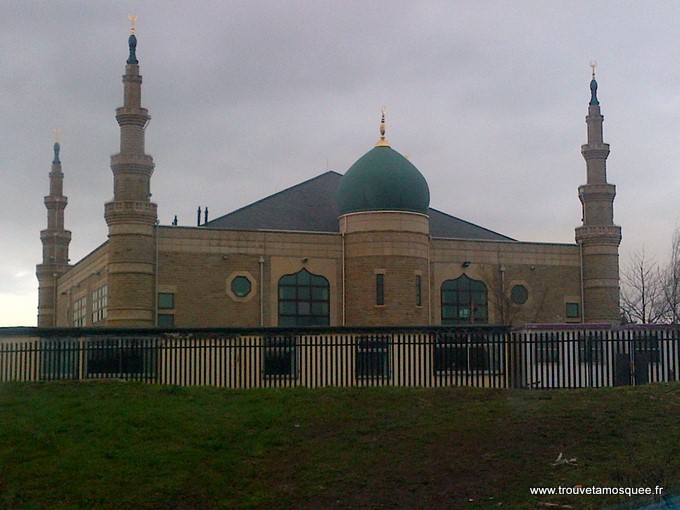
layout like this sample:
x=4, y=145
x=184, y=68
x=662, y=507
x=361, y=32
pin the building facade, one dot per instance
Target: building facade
x=363, y=248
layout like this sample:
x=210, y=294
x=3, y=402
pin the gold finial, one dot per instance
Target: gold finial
x=593, y=65
x=133, y=21
x=57, y=135
x=383, y=141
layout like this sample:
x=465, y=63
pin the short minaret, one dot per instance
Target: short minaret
x=598, y=238
x=131, y=216
x=55, y=240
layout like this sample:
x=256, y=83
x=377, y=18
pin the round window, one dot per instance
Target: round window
x=240, y=286
x=519, y=294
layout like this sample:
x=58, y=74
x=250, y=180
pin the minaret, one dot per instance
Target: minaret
x=55, y=240
x=131, y=215
x=598, y=238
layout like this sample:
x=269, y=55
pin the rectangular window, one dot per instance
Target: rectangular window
x=166, y=320
x=649, y=345
x=419, y=290
x=547, y=350
x=379, y=289
x=373, y=357
x=59, y=358
x=120, y=357
x=467, y=353
x=591, y=350
x=100, y=301
x=166, y=300
x=573, y=311
x=79, y=312
x=280, y=357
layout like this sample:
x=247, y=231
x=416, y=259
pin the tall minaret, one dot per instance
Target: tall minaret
x=131, y=215
x=55, y=240
x=598, y=238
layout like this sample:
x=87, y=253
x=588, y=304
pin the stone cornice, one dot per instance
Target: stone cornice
x=130, y=211
x=599, y=234
x=132, y=116
x=595, y=150
x=55, y=202
x=132, y=163
x=601, y=191
x=50, y=234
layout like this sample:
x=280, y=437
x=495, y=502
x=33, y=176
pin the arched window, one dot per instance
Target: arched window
x=464, y=301
x=304, y=300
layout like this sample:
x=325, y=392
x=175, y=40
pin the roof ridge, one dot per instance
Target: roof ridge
x=472, y=224
x=268, y=197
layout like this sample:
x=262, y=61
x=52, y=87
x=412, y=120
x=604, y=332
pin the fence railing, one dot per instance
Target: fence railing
x=482, y=357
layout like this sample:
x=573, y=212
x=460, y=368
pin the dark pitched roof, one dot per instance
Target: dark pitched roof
x=445, y=225
x=311, y=207
x=308, y=206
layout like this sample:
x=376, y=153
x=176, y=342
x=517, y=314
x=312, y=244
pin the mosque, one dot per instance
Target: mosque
x=359, y=249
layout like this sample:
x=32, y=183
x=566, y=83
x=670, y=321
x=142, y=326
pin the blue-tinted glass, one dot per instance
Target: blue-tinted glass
x=166, y=320
x=479, y=298
x=572, y=310
x=304, y=300
x=287, y=308
x=240, y=286
x=319, y=293
x=287, y=320
x=287, y=292
x=303, y=277
x=379, y=289
x=450, y=285
x=477, y=286
x=519, y=294
x=166, y=300
x=289, y=279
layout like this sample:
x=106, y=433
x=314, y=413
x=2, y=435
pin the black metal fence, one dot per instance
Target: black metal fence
x=539, y=357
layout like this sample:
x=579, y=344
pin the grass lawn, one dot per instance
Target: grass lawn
x=127, y=445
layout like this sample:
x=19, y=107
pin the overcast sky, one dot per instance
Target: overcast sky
x=486, y=98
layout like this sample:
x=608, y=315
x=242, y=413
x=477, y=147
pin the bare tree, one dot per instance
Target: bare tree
x=643, y=290
x=507, y=311
x=670, y=282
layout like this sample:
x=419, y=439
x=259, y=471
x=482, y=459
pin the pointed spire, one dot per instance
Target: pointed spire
x=132, y=40
x=57, y=147
x=383, y=141
x=593, y=85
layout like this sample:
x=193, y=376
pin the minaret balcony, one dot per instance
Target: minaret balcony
x=46, y=272
x=55, y=235
x=55, y=202
x=595, y=150
x=600, y=191
x=132, y=163
x=130, y=211
x=599, y=234
x=132, y=74
x=132, y=116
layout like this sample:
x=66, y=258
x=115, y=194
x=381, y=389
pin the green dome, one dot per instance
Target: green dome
x=383, y=180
